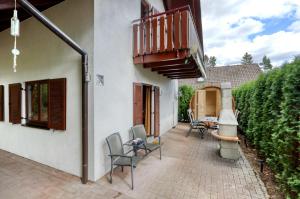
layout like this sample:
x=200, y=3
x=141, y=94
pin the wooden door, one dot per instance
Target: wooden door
x=156, y=112
x=137, y=103
x=201, y=104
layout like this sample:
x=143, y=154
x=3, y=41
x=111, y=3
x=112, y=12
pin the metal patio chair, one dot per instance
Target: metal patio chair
x=118, y=156
x=139, y=131
x=194, y=124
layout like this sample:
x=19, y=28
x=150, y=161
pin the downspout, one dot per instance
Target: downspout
x=28, y=7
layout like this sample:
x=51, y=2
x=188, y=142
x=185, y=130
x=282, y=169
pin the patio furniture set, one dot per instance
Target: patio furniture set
x=205, y=123
x=201, y=125
x=120, y=158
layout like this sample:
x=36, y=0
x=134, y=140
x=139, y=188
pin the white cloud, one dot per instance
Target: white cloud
x=227, y=25
x=295, y=27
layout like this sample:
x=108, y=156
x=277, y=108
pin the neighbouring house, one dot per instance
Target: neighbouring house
x=207, y=99
x=128, y=55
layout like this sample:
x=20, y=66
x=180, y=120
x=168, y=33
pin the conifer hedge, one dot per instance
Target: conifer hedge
x=270, y=119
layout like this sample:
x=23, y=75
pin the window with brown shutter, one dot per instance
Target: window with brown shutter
x=37, y=102
x=58, y=104
x=137, y=104
x=46, y=104
x=156, y=111
x=15, y=103
x=1, y=103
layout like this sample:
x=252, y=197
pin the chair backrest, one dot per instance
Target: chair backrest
x=139, y=131
x=115, y=144
x=189, y=112
x=236, y=114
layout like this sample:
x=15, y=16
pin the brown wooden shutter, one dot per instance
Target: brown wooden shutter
x=57, y=104
x=156, y=112
x=15, y=103
x=137, y=104
x=1, y=103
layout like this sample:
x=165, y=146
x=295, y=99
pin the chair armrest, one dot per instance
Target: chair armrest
x=152, y=136
x=117, y=155
x=128, y=143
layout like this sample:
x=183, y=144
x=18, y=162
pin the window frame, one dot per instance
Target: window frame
x=37, y=123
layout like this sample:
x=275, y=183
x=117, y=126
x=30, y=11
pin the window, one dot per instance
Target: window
x=37, y=95
x=46, y=103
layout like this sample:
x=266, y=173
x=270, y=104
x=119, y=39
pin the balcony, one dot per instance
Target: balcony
x=168, y=44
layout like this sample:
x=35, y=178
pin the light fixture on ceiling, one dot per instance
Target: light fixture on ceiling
x=15, y=32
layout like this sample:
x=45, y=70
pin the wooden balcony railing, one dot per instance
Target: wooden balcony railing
x=166, y=36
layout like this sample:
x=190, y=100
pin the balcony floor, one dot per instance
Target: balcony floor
x=190, y=168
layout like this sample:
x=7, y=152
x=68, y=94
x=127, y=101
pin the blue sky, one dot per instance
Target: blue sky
x=260, y=27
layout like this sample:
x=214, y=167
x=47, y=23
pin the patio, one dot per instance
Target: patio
x=190, y=168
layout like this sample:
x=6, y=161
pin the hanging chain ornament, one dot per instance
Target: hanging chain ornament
x=15, y=32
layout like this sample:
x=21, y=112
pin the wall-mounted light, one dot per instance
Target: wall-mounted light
x=15, y=32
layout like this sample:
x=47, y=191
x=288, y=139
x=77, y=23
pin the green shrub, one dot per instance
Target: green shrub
x=270, y=118
x=185, y=95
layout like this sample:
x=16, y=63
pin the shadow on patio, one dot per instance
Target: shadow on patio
x=190, y=168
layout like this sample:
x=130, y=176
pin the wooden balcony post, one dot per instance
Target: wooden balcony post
x=177, y=31
x=170, y=32
x=184, y=29
x=148, y=37
x=135, y=40
x=141, y=38
x=154, y=35
x=162, y=34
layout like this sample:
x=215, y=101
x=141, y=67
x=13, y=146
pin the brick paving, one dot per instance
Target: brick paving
x=190, y=168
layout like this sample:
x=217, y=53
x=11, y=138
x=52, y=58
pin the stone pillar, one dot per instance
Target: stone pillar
x=228, y=124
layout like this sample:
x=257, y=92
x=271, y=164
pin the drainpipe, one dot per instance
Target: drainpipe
x=28, y=7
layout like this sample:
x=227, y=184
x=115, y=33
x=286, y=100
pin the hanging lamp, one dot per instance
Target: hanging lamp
x=15, y=32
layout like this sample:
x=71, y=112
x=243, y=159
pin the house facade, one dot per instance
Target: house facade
x=137, y=52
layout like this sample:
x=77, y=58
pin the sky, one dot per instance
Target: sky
x=259, y=27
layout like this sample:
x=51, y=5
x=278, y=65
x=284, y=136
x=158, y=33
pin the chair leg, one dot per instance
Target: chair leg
x=160, y=152
x=201, y=133
x=122, y=168
x=111, y=172
x=131, y=176
x=189, y=132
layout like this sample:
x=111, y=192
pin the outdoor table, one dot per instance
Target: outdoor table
x=135, y=145
x=209, y=121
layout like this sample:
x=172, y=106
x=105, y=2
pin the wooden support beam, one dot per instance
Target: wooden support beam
x=182, y=71
x=173, y=67
x=165, y=63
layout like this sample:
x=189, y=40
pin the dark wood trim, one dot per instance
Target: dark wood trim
x=173, y=55
x=2, y=107
x=180, y=72
x=174, y=68
x=165, y=63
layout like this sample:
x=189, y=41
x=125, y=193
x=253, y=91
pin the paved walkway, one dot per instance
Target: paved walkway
x=190, y=168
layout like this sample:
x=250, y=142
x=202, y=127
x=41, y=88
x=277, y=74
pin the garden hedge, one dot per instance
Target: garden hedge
x=270, y=119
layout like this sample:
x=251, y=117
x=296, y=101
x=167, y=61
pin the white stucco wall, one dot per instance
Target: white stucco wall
x=113, y=102
x=44, y=56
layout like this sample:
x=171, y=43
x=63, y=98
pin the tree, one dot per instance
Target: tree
x=212, y=61
x=185, y=96
x=266, y=63
x=206, y=61
x=247, y=59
